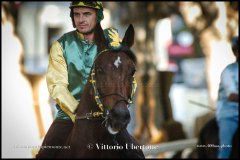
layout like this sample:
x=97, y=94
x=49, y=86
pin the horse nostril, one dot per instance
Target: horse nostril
x=119, y=123
x=127, y=117
x=117, y=126
x=127, y=121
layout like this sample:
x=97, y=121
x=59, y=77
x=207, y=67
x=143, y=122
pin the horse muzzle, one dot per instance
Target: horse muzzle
x=118, y=118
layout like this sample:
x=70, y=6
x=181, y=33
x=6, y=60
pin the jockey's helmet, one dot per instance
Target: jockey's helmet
x=92, y=4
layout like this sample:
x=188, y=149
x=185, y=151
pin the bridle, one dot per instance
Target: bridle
x=104, y=111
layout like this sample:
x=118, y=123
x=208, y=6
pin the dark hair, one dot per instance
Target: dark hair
x=71, y=15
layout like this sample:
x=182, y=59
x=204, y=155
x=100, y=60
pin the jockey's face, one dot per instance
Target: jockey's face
x=85, y=19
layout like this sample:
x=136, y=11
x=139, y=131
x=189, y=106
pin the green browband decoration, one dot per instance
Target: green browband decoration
x=114, y=42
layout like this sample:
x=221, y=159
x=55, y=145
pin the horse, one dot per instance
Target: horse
x=102, y=116
x=207, y=146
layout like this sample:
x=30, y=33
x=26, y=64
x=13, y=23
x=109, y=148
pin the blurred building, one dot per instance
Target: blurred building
x=164, y=40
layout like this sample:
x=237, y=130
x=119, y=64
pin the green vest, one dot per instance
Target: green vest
x=79, y=56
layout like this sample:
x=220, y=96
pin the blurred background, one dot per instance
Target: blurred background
x=181, y=47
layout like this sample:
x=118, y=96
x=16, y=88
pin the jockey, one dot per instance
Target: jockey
x=72, y=56
x=70, y=61
x=227, y=106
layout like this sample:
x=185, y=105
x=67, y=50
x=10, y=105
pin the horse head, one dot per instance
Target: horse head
x=112, y=78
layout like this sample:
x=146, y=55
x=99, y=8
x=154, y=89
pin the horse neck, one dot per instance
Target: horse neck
x=88, y=128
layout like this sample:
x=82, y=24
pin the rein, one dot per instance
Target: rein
x=91, y=115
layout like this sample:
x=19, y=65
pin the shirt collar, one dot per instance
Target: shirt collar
x=80, y=35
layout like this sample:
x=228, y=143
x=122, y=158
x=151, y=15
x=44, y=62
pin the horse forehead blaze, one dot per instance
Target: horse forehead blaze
x=115, y=59
x=117, y=62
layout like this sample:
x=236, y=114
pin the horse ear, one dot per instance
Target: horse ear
x=99, y=38
x=128, y=39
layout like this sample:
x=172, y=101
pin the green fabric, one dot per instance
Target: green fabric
x=79, y=57
x=113, y=39
x=61, y=114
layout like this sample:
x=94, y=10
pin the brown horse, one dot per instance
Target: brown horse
x=103, y=115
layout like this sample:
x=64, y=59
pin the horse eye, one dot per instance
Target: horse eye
x=132, y=72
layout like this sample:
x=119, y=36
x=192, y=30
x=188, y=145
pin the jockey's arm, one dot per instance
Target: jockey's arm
x=230, y=85
x=57, y=81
